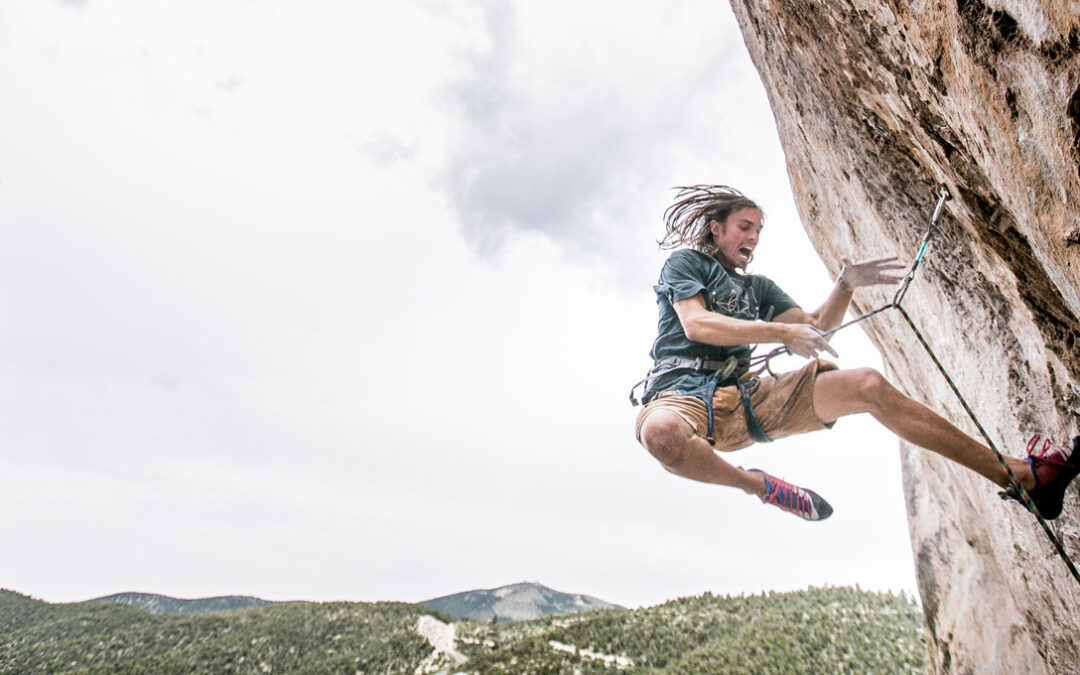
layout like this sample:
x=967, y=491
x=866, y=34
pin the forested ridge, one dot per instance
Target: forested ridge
x=98, y=637
x=832, y=630
x=163, y=604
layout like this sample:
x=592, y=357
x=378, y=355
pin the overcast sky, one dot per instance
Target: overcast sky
x=342, y=300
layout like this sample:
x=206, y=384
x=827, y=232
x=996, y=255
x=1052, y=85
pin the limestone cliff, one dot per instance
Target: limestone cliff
x=877, y=103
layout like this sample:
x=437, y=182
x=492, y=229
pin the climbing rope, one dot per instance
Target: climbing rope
x=1021, y=493
x=1014, y=485
x=943, y=196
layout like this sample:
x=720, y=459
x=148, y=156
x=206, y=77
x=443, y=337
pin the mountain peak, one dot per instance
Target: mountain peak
x=516, y=602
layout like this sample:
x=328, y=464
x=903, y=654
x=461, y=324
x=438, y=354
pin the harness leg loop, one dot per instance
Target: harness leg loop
x=753, y=424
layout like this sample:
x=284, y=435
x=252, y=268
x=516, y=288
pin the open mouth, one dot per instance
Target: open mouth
x=746, y=251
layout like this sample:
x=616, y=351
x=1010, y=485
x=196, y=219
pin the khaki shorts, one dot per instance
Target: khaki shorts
x=784, y=405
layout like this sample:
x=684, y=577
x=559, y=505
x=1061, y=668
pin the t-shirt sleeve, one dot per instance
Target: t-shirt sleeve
x=774, y=301
x=682, y=277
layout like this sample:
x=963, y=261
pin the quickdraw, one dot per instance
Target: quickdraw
x=761, y=362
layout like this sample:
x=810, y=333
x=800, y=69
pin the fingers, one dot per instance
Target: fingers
x=873, y=272
x=876, y=261
x=822, y=345
x=810, y=343
x=889, y=262
x=879, y=268
x=812, y=351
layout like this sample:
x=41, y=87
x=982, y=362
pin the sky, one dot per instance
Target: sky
x=342, y=301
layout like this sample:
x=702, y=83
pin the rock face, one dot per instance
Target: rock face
x=877, y=103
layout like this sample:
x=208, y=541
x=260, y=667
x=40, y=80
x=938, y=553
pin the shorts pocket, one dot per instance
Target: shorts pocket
x=726, y=399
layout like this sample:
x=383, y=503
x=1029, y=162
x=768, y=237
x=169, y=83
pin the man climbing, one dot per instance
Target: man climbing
x=700, y=397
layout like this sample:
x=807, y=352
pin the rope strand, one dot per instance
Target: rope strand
x=1025, y=498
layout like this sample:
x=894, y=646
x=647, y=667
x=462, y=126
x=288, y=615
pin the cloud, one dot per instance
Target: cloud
x=384, y=149
x=231, y=84
x=559, y=135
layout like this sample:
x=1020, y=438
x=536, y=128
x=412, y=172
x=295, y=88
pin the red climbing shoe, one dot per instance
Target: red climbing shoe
x=804, y=503
x=1054, y=467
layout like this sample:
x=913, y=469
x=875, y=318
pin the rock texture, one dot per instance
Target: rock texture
x=876, y=104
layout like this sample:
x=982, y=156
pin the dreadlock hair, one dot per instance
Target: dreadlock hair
x=686, y=222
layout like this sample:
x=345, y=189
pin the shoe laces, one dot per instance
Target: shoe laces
x=787, y=496
x=1046, y=458
x=1048, y=451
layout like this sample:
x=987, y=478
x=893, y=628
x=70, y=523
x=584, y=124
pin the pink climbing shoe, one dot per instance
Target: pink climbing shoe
x=1054, y=467
x=804, y=503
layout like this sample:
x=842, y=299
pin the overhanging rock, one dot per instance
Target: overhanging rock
x=876, y=104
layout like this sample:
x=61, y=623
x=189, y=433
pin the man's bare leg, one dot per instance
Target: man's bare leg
x=848, y=392
x=681, y=451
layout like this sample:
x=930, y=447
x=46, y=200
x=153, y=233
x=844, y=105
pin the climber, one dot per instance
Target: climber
x=700, y=397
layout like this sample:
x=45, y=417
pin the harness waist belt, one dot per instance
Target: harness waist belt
x=674, y=362
x=721, y=371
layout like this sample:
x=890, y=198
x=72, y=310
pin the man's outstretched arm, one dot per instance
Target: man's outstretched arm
x=854, y=275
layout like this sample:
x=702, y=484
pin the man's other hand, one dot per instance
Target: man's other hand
x=806, y=341
x=870, y=272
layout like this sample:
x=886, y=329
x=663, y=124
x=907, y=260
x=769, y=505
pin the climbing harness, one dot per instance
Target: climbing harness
x=721, y=371
x=1015, y=489
x=722, y=374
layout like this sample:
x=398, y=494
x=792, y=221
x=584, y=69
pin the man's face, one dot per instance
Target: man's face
x=737, y=237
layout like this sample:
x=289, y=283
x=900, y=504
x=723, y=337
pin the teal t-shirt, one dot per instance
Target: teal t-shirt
x=743, y=296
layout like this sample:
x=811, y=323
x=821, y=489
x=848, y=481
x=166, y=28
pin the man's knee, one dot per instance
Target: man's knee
x=872, y=387
x=665, y=437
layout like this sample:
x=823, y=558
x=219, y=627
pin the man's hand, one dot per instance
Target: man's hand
x=869, y=272
x=806, y=341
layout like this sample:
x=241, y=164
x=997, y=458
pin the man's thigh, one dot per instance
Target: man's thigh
x=783, y=404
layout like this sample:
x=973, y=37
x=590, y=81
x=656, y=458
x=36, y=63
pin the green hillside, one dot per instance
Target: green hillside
x=833, y=630
x=163, y=604
x=816, y=631
x=92, y=637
